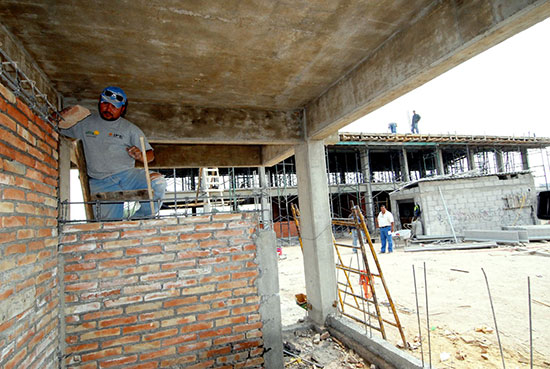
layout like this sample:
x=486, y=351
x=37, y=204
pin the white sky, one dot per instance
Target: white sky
x=502, y=91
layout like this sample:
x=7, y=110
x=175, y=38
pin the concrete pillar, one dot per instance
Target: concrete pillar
x=405, y=177
x=265, y=200
x=439, y=164
x=316, y=224
x=367, y=178
x=499, y=156
x=471, y=158
x=270, y=305
x=524, y=159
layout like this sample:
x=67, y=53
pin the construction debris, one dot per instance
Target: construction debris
x=451, y=246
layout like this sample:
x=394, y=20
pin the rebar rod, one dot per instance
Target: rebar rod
x=494, y=318
x=427, y=315
x=418, y=317
x=530, y=323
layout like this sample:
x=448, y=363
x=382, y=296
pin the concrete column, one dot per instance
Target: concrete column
x=439, y=164
x=404, y=166
x=499, y=156
x=471, y=158
x=524, y=159
x=270, y=305
x=316, y=227
x=365, y=169
x=265, y=200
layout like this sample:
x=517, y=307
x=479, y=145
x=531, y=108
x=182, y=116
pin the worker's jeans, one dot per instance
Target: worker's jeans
x=414, y=128
x=385, y=236
x=131, y=179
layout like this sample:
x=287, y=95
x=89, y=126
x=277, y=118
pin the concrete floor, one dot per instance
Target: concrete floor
x=458, y=302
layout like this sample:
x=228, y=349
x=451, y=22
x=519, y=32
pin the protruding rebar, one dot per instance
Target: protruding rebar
x=494, y=319
x=427, y=315
x=418, y=317
x=530, y=323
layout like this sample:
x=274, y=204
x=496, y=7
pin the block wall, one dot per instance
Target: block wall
x=169, y=293
x=486, y=203
x=29, y=292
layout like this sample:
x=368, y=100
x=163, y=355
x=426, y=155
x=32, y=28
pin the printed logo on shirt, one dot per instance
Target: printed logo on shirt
x=115, y=135
x=92, y=133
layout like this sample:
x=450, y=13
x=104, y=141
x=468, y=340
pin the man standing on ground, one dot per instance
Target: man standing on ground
x=384, y=221
x=112, y=146
x=414, y=125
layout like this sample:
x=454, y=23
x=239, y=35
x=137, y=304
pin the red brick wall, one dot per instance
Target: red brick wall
x=29, y=293
x=170, y=293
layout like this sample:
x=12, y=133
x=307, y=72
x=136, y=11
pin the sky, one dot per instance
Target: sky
x=502, y=91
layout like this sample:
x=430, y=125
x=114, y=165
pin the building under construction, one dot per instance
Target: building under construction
x=363, y=169
x=226, y=85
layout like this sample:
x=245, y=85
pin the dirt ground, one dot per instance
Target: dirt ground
x=462, y=330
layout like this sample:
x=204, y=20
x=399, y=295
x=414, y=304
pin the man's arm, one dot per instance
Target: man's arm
x=72, y=115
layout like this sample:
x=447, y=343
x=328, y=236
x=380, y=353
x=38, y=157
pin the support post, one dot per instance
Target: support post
x=65, y=147
x=265, y=200
x=440, y=165
x=499, y=156
x=524, y=159
x=319, y=267
x=404, y=166
x=471, y=158
x=364, y=155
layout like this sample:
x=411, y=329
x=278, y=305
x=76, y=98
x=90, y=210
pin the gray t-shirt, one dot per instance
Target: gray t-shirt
x=105, y=144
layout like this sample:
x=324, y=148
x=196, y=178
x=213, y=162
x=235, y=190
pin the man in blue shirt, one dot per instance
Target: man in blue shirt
x=414, y=125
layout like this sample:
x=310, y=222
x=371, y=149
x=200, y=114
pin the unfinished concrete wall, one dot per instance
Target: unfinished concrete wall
x=170, y=293
x=29, y=292
x=488, y=202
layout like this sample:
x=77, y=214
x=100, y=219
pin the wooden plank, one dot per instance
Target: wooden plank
x=80, y=161
x=128, y=195
x=452, y=246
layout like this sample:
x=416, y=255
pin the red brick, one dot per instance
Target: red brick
x=140, y=327
x=229, y=233
x=140, y=347
x=194, y=346
x=216, y=333
x=196, y=327
x=13, y=194
x=138, y=233
x=16, y=359
x=213, y=315
x=249, y=274
x=193, y=254
x=82, y=347
x=7, y=237
x=15, y=249
x=210, y=226
x=117, y=263
x=181, y=301
x=162, y=240
x=120, y=341
x=122, y=301
x=102, y=314
x=179, y=264
x=80, y=286
x=100, y=333
x=155, y=354
x=99, y=294
x=195, y=236
x=117, y=321
x=228, y=339
x=179, y=339
x=102, y=354
x=247, y=327
x=217, y=352
x=212, y=243
x=143, y=250
x=158, y=276
x=149, y=365
x=79, y=267
x=117, y=362
x=103, y=255
x=161, y=334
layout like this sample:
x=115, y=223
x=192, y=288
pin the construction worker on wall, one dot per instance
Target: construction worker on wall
x=111, y=146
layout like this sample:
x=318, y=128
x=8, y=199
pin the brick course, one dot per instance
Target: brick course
x=189, y=297
x=29, y=292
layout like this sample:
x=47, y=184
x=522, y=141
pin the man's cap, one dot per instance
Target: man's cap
x=114, y=96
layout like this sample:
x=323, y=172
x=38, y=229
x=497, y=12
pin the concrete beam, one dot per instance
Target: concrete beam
x=444, y=35
x=170, y=124
x=273, y=154
x=193, y=156
x=439, y=163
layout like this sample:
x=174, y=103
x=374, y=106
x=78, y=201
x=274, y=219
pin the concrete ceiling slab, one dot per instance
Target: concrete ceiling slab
x=264, y=54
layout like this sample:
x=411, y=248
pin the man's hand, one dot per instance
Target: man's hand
x=135, y=153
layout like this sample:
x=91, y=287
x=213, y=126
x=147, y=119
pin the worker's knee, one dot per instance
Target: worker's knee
x=158, y=183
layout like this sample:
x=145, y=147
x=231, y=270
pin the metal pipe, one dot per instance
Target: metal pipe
x=418, y=317
x=448, y=215
x=494, y=318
